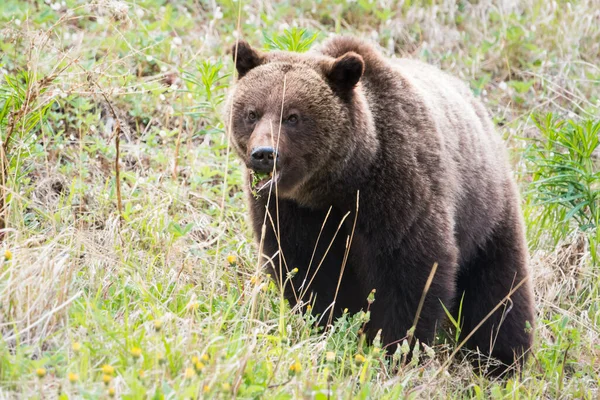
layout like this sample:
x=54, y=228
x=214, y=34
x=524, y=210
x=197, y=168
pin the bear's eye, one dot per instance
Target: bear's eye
x=292, y=119
x=252, y=116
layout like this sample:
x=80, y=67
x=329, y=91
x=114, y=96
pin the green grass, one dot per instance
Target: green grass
x=163, y=297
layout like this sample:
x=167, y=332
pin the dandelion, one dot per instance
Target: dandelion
x=231, y=259
x=108, y=369
x=136, y=352
x=111, y=392
x=359, y=359
x=199, y=366
x=106, y=379
x=73, y=377
x=158, y=325
x=206, y=389
x=205, y=357
x=76, y=347
x=189, y=373
x=40, y=372
x=295, y=368
x=8, y=255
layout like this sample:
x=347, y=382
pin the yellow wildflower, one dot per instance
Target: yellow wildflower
x=295, y=368
x=189, y=373
x=231, y=259
x=40, y=372
x=136, y=352
x=73, y=377
x=108, y=369
x=158, y=325
x=359, y=358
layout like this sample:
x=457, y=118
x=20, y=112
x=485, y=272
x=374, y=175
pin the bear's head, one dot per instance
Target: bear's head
x=301, y=116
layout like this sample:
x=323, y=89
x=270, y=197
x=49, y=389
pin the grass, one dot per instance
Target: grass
x=148, y=285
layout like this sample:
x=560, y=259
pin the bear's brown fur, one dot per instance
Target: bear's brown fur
x=434, y=183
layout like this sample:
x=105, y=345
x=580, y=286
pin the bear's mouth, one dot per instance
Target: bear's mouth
x=262, y=180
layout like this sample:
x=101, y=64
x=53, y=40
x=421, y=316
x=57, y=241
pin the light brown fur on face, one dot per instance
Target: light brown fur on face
x=434, y=183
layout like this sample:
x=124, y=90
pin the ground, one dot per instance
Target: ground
x=143, y=280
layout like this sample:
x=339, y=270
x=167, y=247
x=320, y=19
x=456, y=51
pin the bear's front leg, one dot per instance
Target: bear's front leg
x=314, y=242
x=400, y=275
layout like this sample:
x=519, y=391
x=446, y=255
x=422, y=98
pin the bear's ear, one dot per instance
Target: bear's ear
x=247, y=57
x=345, y=71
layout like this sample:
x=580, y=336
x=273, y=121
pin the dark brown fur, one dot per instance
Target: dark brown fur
x=435, y=187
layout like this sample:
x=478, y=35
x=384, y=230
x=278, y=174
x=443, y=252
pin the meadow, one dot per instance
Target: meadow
x=128, y=269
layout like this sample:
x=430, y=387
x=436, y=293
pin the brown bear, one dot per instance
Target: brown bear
x=342, y=124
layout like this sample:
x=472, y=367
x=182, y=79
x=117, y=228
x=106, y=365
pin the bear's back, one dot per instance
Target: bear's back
x=475, y=154
x=439, y=116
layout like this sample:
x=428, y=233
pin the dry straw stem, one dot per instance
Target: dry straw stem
x=227, y=151
x=348, y=244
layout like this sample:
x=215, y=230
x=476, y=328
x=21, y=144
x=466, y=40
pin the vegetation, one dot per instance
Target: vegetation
x=129, y=270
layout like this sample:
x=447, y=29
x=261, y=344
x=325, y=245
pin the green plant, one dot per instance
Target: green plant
x=565, y=176
x=295, y=39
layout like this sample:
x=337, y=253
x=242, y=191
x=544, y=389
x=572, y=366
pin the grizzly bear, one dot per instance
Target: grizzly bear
x=375, y=170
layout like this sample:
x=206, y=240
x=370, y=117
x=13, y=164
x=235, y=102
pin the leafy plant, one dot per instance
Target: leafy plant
x=565, y=177
x=297, y=40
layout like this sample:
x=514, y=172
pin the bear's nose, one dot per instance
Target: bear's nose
x=263, y=158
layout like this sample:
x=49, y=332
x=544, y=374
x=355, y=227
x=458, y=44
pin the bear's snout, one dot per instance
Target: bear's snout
x=262, y=159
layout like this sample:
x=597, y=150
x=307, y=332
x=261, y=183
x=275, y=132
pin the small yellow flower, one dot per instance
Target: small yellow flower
x=7, y=255
x=108, y=369
x=142, y=374
x=231, y=259
x=199, y=366
x=106, y=379
x=73, y=377
x=195, y=359
x=136, y=352
x=205, y=357
x=308, y=308
x=206, y=389
x=359, y=359
x=76, y=347
x=193, y=306
x=111, y=391
x=330, y=356
x=253, y=280
x=189, y=373
x=295, y=368
x=226, y=387
x=40, y=372
x=158, y=325
x=345, y=311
